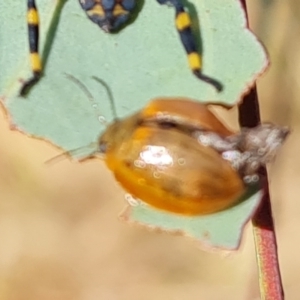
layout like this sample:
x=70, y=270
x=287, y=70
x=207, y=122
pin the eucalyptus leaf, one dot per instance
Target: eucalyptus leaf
x=142, y=61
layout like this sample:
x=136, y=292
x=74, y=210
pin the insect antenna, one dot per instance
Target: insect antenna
x=110, y=96
x=90, y=96
x=92, y=146
x=80, y=151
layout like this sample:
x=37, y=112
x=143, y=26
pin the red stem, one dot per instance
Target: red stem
x=263, y=225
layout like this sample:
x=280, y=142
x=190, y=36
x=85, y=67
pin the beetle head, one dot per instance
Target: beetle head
x=116, y=133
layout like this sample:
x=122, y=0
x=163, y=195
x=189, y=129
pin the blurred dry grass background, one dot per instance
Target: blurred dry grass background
x=60, y=238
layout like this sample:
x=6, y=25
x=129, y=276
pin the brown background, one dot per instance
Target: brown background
x=60, y=238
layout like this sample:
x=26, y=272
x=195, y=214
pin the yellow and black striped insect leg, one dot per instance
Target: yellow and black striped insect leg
x=183, y=25
x=33, y=38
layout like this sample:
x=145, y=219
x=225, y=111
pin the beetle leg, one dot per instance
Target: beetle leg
x=33, y=38
x=183, y=26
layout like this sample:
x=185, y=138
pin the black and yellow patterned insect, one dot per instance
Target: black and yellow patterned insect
x=110, y=15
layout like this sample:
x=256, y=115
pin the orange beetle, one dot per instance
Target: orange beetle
x=177, y=156
x=155, y=157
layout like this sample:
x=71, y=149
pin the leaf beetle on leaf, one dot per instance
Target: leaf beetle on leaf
x=177, y=156
x=159, y=156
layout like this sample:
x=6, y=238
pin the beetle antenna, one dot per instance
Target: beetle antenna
x=89, y=96
x=80, y=152
x=57, y=158
x=110, y=96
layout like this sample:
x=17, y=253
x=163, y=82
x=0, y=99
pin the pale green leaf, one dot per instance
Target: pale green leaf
x=143, y=61
x=219, y=230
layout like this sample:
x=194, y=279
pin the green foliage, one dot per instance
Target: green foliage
x=143, y=61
